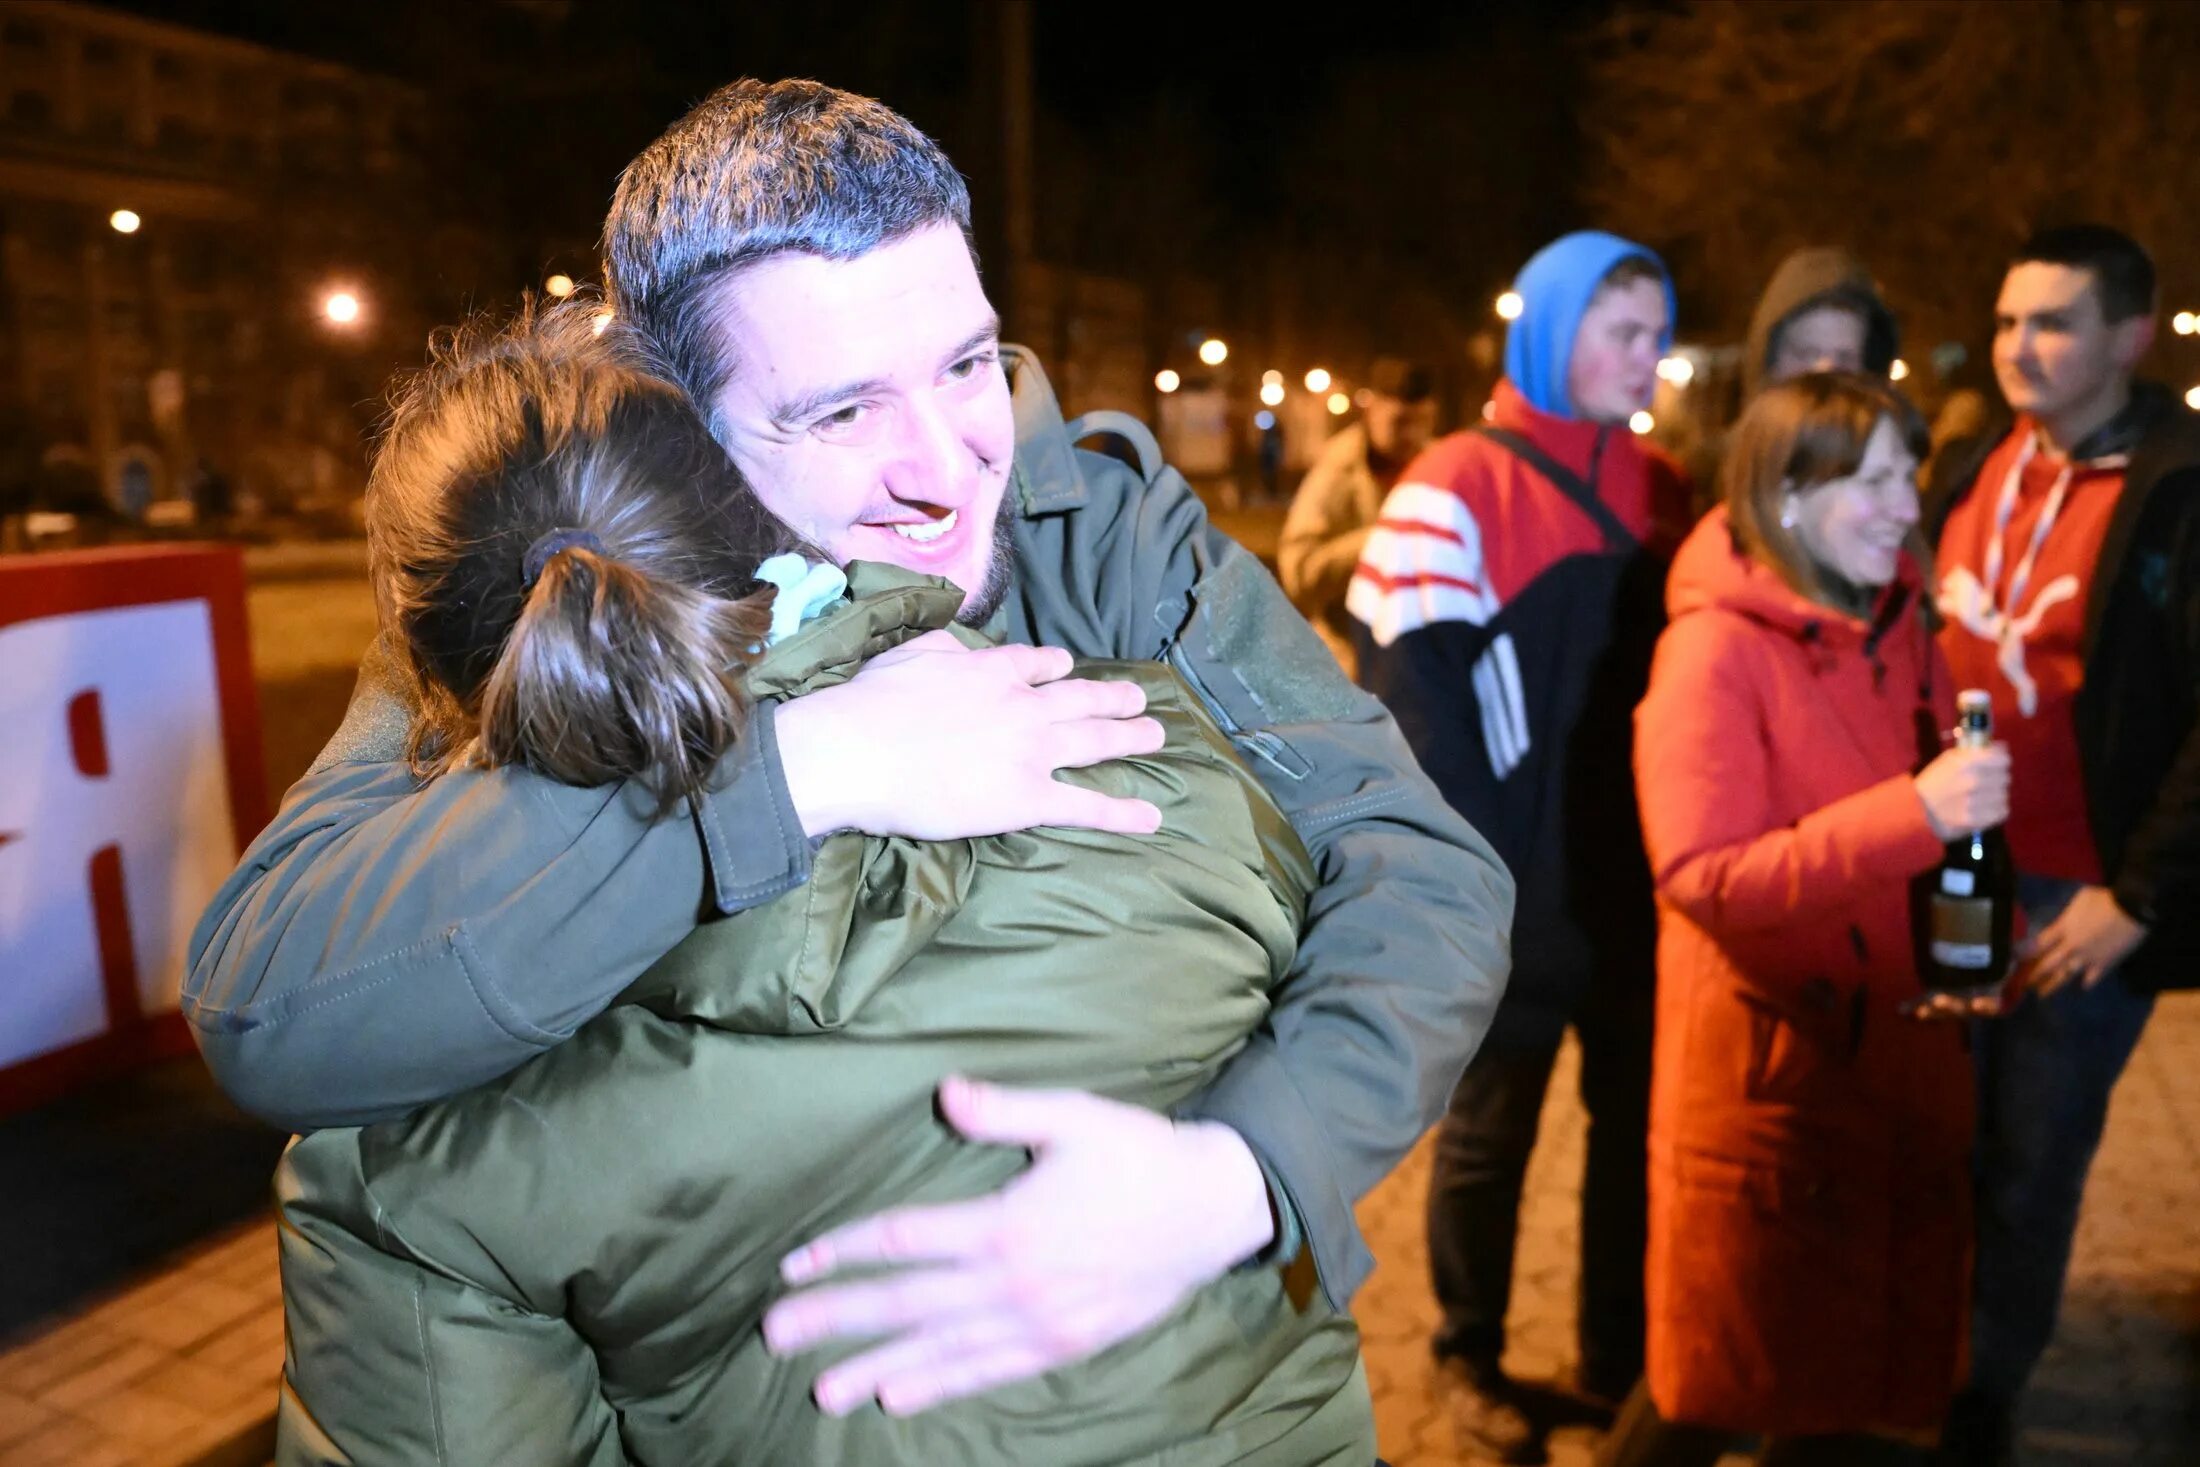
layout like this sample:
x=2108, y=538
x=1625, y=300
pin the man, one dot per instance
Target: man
x=801, y=258
x=1511, y=594
x=1336, y=503
x=2070, y=583
x=1821, y=312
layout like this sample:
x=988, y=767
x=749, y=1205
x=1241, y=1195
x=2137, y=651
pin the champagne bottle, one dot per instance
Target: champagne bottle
x=1964, y=908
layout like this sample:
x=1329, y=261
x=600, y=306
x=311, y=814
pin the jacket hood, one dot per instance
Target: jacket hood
x=1818, y=276
x=1555, y=287
x=1713, y=573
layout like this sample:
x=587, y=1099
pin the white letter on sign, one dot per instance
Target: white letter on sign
x=114, y=816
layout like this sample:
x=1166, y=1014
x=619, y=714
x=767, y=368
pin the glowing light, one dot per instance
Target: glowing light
x=341, y=306
x=1272, y=394
x=1339, y=404
x=1510, y=305
x=2183, y=323
x=560, y=286
x=1489, y=412
x=1679, y=371
x=1166, y=380
x=1264, y=420
x=602, y=321
x=2192, y=399
x=1271, y=378
x=1897, y=370
x=1317, y=380
x=125, y=221
x=1214, y=351
x=1642, y=422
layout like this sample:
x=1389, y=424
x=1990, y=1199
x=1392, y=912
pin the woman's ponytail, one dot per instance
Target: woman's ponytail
x=610, y=673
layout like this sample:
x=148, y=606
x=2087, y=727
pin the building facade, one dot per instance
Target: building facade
x=211, y=256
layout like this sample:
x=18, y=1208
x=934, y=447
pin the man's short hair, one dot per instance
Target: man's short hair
x=759, y=169
x=1629, y=270
x=2123, y=273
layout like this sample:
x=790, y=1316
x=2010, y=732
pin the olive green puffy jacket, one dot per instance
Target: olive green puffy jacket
x=569, y=1265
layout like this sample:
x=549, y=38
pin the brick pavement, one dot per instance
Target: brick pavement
x=2120, y=1384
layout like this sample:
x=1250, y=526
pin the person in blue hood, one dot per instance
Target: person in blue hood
x=1508, y=599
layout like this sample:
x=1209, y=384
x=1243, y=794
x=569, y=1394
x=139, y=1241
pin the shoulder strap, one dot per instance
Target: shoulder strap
x=1124, y=426
x=1616, y=534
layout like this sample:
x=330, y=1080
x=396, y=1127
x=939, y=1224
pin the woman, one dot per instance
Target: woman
x=1809, y=1190
x=569, y=1265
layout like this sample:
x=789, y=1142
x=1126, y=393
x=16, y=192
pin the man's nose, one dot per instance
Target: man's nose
x=930, y=462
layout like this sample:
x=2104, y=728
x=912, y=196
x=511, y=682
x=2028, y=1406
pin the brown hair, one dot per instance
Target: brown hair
x=1629, y=270
x=1795, y=436
x=564, y=559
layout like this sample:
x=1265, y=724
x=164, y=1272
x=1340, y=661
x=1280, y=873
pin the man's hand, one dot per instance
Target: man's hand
x=2088, y=937
x=1122, y=1214
x=936, y=741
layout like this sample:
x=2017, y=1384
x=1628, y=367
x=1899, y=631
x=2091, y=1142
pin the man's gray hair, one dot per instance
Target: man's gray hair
x=759, y=169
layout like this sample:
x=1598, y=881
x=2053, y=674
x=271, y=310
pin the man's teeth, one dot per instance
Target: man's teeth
x=926, y=533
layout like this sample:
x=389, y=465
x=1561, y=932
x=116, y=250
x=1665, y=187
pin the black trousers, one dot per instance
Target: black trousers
x=1482, y=1150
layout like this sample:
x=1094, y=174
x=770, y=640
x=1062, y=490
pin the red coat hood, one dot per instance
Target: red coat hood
x=1712, y=573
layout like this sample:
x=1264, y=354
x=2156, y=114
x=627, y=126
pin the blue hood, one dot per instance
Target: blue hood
x=1555, y=288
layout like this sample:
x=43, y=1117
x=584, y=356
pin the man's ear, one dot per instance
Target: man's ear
x=2132, y=339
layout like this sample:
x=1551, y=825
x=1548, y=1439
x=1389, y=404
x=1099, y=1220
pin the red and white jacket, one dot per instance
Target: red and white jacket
x=1509, y=625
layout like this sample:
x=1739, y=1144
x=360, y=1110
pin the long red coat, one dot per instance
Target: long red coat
x=1809, y=1197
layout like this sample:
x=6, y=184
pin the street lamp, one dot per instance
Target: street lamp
x=1214, y=351
x=1317, y=380
x=2182, y=323
x=124, y=221
x=1166, y=380
x=1510, y=305
x=1897, y=370
x=341, y=307
x=1679, y=371
x=1339, y=404
x=1642, y=422
x=602, y=321
x=1271, y=393
x=2192, y=399
x=560, y=286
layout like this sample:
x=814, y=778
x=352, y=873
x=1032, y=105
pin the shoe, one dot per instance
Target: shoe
x=1489, y=1422
x=1602, y=1391
x=1981, y=1432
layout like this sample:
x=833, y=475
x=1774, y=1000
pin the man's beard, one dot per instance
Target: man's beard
x=1000, y=566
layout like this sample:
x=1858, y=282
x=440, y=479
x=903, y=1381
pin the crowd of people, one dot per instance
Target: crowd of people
x=1859, y=1204
x=844, y=926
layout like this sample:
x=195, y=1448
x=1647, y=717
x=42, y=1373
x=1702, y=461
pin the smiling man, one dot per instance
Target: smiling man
x=2069, y=563
x=800, y=258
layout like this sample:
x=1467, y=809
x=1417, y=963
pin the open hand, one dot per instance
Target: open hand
x=937, y=741
x=1097, y=1241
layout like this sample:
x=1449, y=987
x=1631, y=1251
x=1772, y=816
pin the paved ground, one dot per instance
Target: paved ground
x=2121, y=1383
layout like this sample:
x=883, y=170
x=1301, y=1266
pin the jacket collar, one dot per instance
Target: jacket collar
x=1045, y=474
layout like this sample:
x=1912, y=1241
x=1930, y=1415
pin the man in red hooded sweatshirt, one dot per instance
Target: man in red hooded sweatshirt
x=1509, y=596
x=2069, y=561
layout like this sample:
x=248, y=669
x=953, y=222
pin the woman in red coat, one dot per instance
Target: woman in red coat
x=1809, y=1187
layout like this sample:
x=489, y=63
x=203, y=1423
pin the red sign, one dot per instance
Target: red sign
x=130, y=779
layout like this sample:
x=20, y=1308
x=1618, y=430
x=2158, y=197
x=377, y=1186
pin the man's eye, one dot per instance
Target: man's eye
x=965, y=368
x=844, y=418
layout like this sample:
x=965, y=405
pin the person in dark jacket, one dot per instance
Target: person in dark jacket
x=1509, y=597
x=1809, y=1209
x=1821, y=312
x=2069, y=557
x=800, y=257
x=570, y=1265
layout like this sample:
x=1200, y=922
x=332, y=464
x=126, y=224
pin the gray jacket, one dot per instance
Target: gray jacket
x=385, y=943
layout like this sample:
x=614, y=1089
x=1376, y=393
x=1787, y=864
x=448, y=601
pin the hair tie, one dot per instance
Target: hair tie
x=556, y=542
